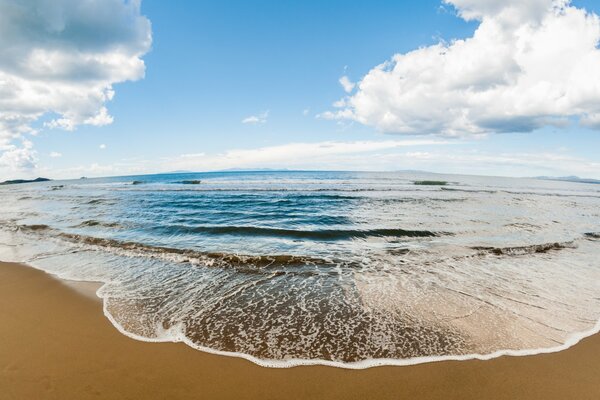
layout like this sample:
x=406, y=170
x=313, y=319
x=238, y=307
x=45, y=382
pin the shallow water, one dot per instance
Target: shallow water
x=340, y=267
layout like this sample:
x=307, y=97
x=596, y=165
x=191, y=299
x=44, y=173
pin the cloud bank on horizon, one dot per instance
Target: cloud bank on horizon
x=364, y=155
x=529, y=64
x=59, y=61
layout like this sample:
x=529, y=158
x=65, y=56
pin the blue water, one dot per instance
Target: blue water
x=339, y=267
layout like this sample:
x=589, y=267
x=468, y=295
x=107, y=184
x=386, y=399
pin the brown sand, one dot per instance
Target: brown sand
x=56, y=344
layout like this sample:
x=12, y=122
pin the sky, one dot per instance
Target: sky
x=120, y=87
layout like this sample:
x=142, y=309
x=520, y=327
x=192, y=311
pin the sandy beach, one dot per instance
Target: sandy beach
x=57, y=344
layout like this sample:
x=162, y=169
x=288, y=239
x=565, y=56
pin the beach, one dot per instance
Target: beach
x=57, y=344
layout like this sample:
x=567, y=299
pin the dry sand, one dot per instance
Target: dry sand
x=57, y=344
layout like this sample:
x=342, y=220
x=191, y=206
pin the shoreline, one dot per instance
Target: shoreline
x=57, y=343
x=90, y=288
x=364, y=364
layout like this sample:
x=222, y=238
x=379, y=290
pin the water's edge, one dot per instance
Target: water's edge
x=175, y=336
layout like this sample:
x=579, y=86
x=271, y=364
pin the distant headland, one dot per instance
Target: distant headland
x=18, y=181
x=568, y=179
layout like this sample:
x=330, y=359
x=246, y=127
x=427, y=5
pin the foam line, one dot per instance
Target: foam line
x=177, y=337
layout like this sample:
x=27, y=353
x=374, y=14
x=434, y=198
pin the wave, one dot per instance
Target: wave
x=176, y=336
x=276, y=189
x=517, y=192
x=278, y=264
x=34, y=227
x=197, y=257
x=523, y=250
x=100, y=201
x=248, y=263
x=447, y=189
x=92, y=223
x=523, y=225
x=326, y=234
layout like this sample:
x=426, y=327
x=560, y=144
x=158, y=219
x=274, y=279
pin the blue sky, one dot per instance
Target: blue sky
x=212, y=65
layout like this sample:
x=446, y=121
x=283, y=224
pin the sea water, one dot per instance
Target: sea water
x=342, y=268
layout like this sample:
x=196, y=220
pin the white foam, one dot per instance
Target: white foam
x=175, y=335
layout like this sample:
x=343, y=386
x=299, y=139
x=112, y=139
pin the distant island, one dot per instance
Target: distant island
x=568, y=179
x=17, y=181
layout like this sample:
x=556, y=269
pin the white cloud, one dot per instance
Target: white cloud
x=62, y=58
x=347, y=84
x=15, y=158
x=387, y=155
x=55, y=154
x=499, y=164
x=515, y=11
x=326, y=155
x=102, y=146
x=256, y=119
x=306, y=111
x=321, y=155
x=529, y=64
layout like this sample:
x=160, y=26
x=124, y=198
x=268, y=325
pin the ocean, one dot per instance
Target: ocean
x=351, y=269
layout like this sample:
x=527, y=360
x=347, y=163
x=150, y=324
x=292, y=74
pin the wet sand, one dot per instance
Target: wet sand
x=55, y=343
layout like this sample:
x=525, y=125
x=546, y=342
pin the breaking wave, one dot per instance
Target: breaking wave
x=523, y=250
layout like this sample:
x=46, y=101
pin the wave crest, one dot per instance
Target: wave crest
x=327, y=234
x=524, y=250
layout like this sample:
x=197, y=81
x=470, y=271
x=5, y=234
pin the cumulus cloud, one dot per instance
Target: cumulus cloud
x=15, y=157
x=347, y=84
x=61, y=59
x=256, y=119
x=529, y=64
x=55, y=154
x=102, y=146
